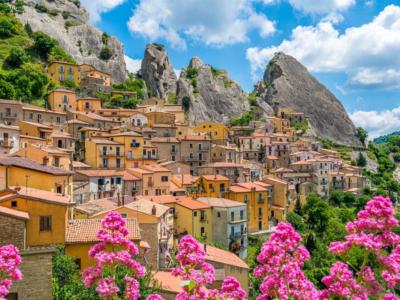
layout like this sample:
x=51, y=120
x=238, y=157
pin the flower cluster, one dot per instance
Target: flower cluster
x=9, y=262
x=197, y=274
x=372, y=232
x=281, y=259
x=113, y=237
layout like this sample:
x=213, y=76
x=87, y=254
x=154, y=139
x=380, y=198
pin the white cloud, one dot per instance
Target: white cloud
x=177, y=72
x=377, y=123
x=317, y=6
x=132, y=65
x=215, y=23
x=367, y=54
x=97, y=7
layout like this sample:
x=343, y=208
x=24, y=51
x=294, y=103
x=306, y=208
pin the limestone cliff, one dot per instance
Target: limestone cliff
x=209, y=94
x=157, y=72
x=288, y=84
x=68, y=22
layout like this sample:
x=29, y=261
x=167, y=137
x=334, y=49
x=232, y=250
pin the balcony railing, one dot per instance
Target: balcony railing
x=8, y=115
x=236, y=235
x=111, y=153
x=260, y=200
x=6, y=144
x=195, y=158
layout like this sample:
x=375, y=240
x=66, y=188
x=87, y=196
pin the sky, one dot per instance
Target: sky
x=351, y=46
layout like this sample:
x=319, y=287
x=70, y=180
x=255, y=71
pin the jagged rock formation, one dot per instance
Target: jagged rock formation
x=157, y=72
x=288, y=84
x=210, y=94
x=68, y=22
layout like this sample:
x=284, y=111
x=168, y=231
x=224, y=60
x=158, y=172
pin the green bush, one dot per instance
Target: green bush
x=69, y=24
x=6, y=90
x=105, y=53
x=59, y=54
x=244, y=120
x=16, y=58
x=65, y=14
x=186, y=103
x=41, y=7
x=172, y=98
x=8, y=27
x=104, y=38
x=5, y=9
x=191, y=73
x=130, y=103
x=68, y=83
x=43, y=44
x=19, y=6
x=28, y=29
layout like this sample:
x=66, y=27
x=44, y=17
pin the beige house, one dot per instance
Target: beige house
x=155, y=179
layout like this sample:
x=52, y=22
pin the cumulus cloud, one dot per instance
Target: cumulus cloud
x=367, y=54
x=97, y=7
x=215, y=23
x=317, y=7
x=132, y=65
x=377, y=123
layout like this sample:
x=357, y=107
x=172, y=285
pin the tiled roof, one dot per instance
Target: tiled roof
x=103, y=141
x=35, y=194
x=14, y=213
x=146, y=206
x=168, y=282
x=157, y=139
x=76, y=121
x=252, y=185
x=95, y=206
x=32, y=165
x=187, y=179
x=155, y=168
x=101, y=173
x=220, y=202
x=190, y=203
x=173, y=187
x=79, y=164
x=224, y=165
x=195, y=138
x=164, y=199
x=127, y=133
x=224, y=257
x=215, y=177
x=39, y=125
x=85, y=230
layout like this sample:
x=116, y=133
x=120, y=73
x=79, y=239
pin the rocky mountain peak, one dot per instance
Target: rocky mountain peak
x=288, y=84
x=208, y=93
x=158, y=72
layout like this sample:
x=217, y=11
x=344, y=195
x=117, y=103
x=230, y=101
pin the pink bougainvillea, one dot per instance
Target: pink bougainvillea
x=9, y=262
x=113, y=250
x=281, y=259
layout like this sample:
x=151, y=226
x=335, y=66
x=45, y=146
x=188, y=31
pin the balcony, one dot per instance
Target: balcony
x=8, y=115
x=6, y=144
x=260, y=200
x=236, y=235
x=237, y=220
x=150, y=184
x=190, y=159
x=135, y=145
x=203, y=218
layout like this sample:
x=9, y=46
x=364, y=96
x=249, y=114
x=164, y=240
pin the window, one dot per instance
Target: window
x=219, y=214
x=222, y=187
x=191, y=145
x=259, y=225
x=65, y=99
x=124, y=215
x=195, y=214
x=61, y=69
x=58, y=120
x=232, y=231
x=61, y=77
x=78, y=263
x=232, y=216
x=30, y=116
x=14, y=203
x=12, y=296
x=118, y=163
x=200, y=147
x=164, y=178
x=118, y=151
x=173, y=158
x=245, y=200
x=45, y=223
x=241, y=215
x=87, y=105
x=59, y=189
x=260, y=212
x=118, y=180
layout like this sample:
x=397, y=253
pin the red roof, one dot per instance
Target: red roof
x=35, y=194
x=14, y=213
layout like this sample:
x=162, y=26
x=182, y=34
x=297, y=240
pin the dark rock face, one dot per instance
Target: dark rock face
x=210, y=94
x=157, y=72
x=288, y=84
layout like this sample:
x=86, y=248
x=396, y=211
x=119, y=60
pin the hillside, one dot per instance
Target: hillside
x=385, y=138
x=24, y=55
x=68, y=22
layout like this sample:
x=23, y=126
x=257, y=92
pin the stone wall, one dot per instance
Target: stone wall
x=36, y=269
x=149, y=234
x=12, y=231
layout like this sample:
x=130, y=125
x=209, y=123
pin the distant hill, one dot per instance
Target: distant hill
x=384, y=138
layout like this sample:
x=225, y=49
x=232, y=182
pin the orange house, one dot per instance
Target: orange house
x=61, y=100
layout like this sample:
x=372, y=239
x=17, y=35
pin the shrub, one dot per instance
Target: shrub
x=191, y=73
x=40, y=7
x=65, y=14
x=105, y=53
x=68, y=83
x=69, y=24
x=16, y=58
x=19, y=6
x=5, y=8
x=8, y=27
x=59, y=54
x=28, y=29
x=6, y=90
x=130, y=103
x=104, y=38
x=43, y=44
x=186, y=103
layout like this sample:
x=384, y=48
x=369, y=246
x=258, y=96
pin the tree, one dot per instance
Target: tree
x=297, y=207
x=296, y=221
x=16, y=58
x=28, y=29
x=336, y=198
x=362, y=134
x=7, y=27
x=43, y=44
x=361, y=160
x=316, y=211
x=6, y=90
x=186, y=103
x=105, y=53
x=5, y=8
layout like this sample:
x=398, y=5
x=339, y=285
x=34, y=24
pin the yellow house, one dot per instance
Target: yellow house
x=35, y=129
x=133, y=143
x=61, y=71
x=101, y=153
x=18, y=171
x=256, y=197
x=155, y=179
x=217, y=132
x=191, y=216
x=48, y=214
x=81, y=235
x=46, y=155
x=158, y=117
x=279, y=199
x=212, y=186
x=61, y=100
x=88, y=104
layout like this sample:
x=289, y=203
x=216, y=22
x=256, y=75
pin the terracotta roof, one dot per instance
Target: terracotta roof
x=35, y=194
x=85, y=230
x=173, y=187
x=101, y=173
x=32, y=165
x=103, y=141
x=93, y=116
x=127, y=133
x=95, y=206
x=220, y=202
x=168, y=282
x=195, y=138
x=190, y=203
x=130, y=177
x=40, y=125
x=76, y=121
x=157, y=139
x=79, y=164
x=9, y=127
x=164, y=199
x=61, y=134
x=7, y=101
x=187, y=179
x=155, y=168
x=215, y=178
x=274, y=179
x=224, y=165
x=224, y=257
x=14, y=213
x=251, y=185
x=63, y=91
x=146, y=206
x=301, y=162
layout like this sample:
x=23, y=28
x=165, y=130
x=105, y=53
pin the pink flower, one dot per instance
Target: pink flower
x=132, y=291
x=390, y=297
x=107, y=288
x=9, y=262
x=154, y=297
x=231, y=289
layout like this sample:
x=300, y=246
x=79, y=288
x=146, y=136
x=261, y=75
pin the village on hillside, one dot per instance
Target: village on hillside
x=64, y=167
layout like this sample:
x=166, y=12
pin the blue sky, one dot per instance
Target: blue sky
x=351, y=46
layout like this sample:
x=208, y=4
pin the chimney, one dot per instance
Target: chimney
x=205, y=247
x=154, y=210
x=17, y=188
